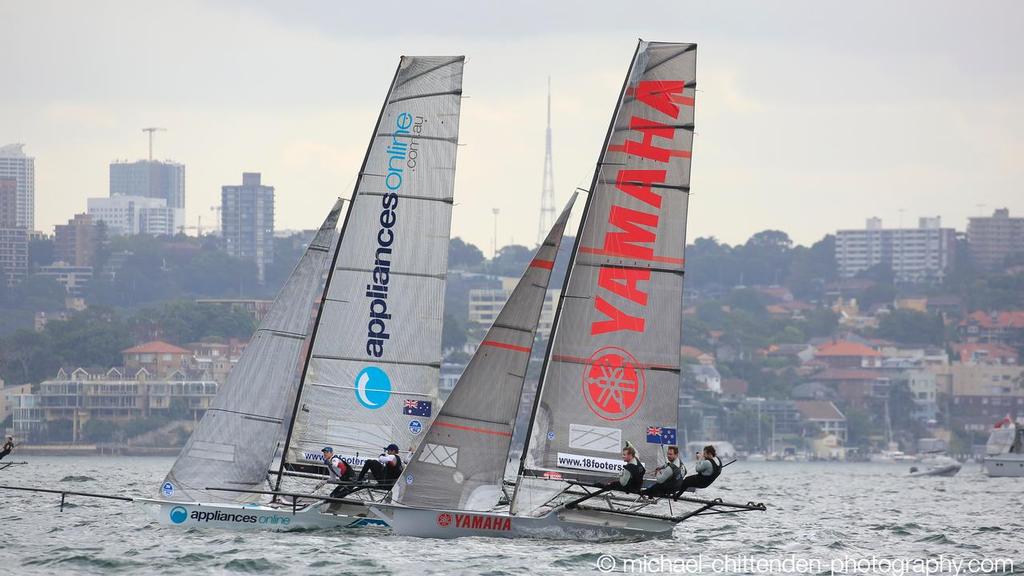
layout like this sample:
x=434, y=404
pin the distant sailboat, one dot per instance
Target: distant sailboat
x=611, y=372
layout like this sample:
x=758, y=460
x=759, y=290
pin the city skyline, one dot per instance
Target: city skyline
x=885, y=114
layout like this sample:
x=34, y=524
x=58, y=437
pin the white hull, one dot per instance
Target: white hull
x=258, y=516
x=562, y=524
x=946, y=471
x=1005, y=465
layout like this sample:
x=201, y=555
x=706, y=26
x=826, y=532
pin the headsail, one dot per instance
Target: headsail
x=235, y=442
x=612, y=370
x=461, y=462
x=372, y=375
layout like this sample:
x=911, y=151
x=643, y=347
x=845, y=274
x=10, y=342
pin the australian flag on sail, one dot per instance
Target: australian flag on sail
x=661, y=435
x=417, y=408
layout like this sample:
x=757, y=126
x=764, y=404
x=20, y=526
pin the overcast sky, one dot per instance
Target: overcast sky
x=811, y=116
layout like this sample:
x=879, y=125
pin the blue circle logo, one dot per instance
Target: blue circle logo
x=178, y=514
x=551, y=435
x=373, y=387
x=167, y=489
x=415, y=427
x=408, y=479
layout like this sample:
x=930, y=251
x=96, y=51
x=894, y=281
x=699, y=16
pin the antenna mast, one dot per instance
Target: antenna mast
x=547, y=197
x=151, y=130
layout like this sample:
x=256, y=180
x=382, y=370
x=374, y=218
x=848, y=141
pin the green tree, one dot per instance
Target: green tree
x=38, y=293
x=40, y=252
x=463, y=255
x=453, y=333
x=912, y=327
x=97, y=430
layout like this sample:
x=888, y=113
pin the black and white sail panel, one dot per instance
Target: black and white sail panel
x=461, y=461
x=236, y=441
x=373, y=373
x=612, y=373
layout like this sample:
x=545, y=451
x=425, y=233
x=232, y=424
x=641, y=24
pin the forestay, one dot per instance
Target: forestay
x=373, y=372
x=236, y=441
x=461, y=462
x=612, y=370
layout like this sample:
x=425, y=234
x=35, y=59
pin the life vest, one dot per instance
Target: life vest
x=636, y=476
x=339, y=468
x=393, y=472
x=716, y=469
x=677, y=472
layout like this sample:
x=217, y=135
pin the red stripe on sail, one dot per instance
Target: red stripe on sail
x=506, y=346
x=471, y=428
x=545, y=264
x=578, y=360
x=676, y=153
x=603, y=252
x=680, y=99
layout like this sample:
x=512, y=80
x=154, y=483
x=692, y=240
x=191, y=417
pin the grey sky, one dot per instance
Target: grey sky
x=811, y=116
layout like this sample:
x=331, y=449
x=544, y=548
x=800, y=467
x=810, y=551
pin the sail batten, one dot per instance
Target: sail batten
x=461, y=461
x=237, y=439
x=611, y=372
x=373, y=370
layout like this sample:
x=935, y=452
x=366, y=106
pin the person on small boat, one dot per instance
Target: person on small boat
x=632, y=477
x=338, y=470
x=708, y=468
x=7, y=447
x=669, y=476
x=386, y=469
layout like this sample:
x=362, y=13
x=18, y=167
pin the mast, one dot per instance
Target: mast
x=327, y=284
x=568, y=275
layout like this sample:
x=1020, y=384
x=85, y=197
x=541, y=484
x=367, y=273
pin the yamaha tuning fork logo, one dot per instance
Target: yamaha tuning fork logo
x=373, y=387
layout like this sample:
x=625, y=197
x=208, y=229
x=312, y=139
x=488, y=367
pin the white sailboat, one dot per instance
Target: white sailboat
x=611, y=370
x=369, y=373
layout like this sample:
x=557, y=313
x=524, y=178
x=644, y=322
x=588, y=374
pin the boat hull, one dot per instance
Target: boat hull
x=1005, y=465
x=944, y=471
x=580, y=524
x=258, y=517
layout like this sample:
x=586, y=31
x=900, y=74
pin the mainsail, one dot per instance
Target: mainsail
x=372, y=374
x=612, y=369
x=235, y=442
x=461, y=462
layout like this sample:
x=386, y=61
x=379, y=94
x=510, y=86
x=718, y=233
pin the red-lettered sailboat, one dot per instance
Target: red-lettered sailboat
x=611, y=370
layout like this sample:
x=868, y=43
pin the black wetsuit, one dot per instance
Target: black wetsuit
x=8, y=446
x=386, y=476
x=699, y=480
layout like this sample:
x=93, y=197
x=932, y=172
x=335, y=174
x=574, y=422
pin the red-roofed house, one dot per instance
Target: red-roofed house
x=856, y=387
x=158, y=358
x=847, y=354
x=824, y=415
x=997, y=327
x=977, y=353
x=697, y=355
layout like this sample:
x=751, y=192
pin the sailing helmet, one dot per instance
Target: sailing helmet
x=391, y=447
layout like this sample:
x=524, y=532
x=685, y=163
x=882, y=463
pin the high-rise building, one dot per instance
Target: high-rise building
x=151, y=179
x=922, y=254
x=15, y=164
x=131, y=215
x=13, y=238
x=247, y=221
x=991, y=239
x=74, y=243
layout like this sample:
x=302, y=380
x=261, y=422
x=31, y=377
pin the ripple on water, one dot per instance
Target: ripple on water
x=253, y=566
x=74, y=478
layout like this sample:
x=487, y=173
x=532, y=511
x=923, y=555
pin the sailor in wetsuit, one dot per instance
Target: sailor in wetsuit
x=7, y=447
x=708, y=467
x=632, y=477
x=337, y=469
x=386, y=469
x=669, y=477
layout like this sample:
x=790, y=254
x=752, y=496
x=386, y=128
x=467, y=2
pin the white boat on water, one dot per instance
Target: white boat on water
x=939, y=465
x=1004, y=451
x=611, y=369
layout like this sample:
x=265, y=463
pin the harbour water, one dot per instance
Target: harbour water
x=822, y=517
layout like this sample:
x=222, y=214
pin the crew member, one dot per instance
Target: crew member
x=708, y=469
x=7, y=447
x=338, y=470
x=669, y=476
x=386, y=469
x=632, y=477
